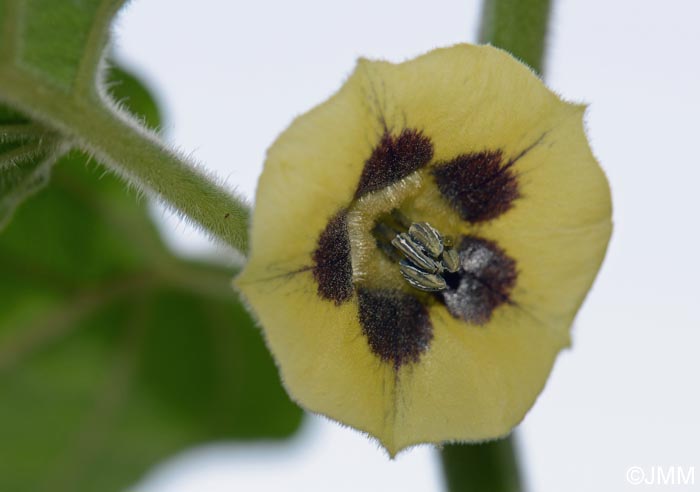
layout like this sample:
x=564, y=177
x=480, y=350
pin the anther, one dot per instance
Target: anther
x=415, y=252
x=427, y=237
x=426, y=257
x=450, y=259
x=421, y=279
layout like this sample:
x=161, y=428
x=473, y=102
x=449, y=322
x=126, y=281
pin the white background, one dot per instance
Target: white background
x=232, y=75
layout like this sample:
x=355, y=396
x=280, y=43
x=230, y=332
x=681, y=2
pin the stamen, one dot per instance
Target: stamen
x=424, y=255
x=416, y=253
x=450, y=259
x=427, y=237
x=420, y=279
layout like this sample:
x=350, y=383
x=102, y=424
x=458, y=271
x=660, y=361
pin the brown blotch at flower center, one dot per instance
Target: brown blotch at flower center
x=394, y=158
x=332, y=268
x=396, y=324
x=480, y=186
x=485, y=280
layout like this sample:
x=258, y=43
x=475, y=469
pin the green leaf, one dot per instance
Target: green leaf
x=62, y=40
x=27, y=152
x=114, y=354
x=50, y=72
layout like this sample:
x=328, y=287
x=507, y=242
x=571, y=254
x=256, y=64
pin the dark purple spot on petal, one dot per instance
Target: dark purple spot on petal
x=394, y=158
x=484, y=281
x=396, y=324
x=332, y=265
x=479, y=186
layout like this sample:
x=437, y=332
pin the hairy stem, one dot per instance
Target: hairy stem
x=517, y=26
x=134, y=153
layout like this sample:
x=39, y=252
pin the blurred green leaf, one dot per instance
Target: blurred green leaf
x=27, y=152
x=114, y=354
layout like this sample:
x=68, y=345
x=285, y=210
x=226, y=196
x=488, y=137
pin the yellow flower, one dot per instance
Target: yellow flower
x=421, y=243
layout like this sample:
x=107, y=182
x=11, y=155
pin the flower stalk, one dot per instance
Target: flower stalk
x=517, y=26
x=486, y=467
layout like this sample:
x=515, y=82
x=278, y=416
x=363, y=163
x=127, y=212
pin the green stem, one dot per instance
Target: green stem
x=517, y=26
x=134, y=153
x=520, y=27
x=487, y=467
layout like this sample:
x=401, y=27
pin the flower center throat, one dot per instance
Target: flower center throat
x=426, y=258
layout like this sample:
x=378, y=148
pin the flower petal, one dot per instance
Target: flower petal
x=325, y=361
x=470, y=141
x=473, y=384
